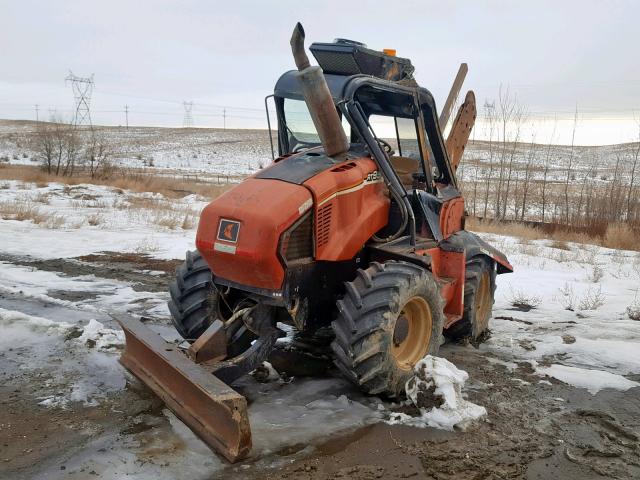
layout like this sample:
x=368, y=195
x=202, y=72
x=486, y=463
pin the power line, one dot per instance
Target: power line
x=82, y=88
x=187, y=122
x=126, y=115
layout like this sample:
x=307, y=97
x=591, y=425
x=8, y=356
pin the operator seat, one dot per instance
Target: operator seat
x=405, y=167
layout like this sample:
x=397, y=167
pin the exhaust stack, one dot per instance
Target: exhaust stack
x=318, y=98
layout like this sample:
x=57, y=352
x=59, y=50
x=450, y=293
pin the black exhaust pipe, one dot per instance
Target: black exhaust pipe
x=318, y=98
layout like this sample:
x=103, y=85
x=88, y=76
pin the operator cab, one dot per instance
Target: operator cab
x=394, y=123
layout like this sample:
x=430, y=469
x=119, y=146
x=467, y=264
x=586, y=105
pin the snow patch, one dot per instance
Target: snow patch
x=592, y=380
x=104, y=339
x=440, y=380
x=37, y=324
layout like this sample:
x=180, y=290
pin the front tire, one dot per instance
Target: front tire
x=196, y=302
x=390, y=317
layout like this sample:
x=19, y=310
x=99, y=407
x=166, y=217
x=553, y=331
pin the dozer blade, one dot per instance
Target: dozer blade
x=209, y=407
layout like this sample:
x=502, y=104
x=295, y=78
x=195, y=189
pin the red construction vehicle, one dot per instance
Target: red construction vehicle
x=354, y=233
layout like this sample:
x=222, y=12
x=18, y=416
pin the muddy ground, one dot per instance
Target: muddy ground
x=533, y=429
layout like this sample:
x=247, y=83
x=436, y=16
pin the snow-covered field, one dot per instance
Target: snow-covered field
x=564, y=312
x=192, y=150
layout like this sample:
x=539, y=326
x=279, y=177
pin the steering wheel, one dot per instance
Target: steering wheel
x=385, y=146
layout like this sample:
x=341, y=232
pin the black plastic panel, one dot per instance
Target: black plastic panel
x=298, y=169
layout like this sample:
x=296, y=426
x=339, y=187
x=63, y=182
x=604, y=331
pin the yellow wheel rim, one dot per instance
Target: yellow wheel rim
x=483, y=304
x=412, y=333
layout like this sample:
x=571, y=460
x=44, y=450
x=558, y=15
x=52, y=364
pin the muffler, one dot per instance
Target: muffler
x=318, y=98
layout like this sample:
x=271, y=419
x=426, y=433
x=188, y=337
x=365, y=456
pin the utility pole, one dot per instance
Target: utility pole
x=126, y=115
x=224, y=118
x=188, y=117
x=37, y=117
x=82, y=89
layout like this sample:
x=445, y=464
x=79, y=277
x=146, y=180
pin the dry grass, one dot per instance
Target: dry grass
x=190, y=221
x=621, y=237
x=41, y=197
x=54, y=221
x=21, y=209
x=618, y=236
x=94, y=219
x=560, y=245
x=170, y=220
x=134, y=180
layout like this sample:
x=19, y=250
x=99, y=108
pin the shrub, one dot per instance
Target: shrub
x=596, y=273
x=524, y=301
x=592, y=300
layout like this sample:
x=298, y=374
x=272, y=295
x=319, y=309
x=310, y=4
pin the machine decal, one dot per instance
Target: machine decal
x=228, y=230
x=223, y=247
x=305, y=206
x=371, y=179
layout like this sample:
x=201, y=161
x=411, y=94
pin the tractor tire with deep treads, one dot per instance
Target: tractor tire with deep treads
x=479, y=289
x=196, y=302
x=389, y=318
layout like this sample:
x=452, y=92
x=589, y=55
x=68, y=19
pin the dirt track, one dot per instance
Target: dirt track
x=534, y=430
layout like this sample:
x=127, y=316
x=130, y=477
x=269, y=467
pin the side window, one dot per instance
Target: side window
x=384, y=129
x=408, y=143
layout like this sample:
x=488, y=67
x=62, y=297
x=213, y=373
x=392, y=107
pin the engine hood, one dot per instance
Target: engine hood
x=239, y=231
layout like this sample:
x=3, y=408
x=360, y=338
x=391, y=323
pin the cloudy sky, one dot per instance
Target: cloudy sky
x=226, y=55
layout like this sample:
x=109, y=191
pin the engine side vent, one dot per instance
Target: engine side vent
x=344, y=168
x=323, y=225
x=297, y=243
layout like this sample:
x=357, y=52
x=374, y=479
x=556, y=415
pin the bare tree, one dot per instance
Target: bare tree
x=545, y=171
x=44, y=145
x=72, y=148
x=506, y=108
x=97, y=155
x=527, y=176
x=510, y=114
x=490, y=113
x=569, y=166
x=633, y=175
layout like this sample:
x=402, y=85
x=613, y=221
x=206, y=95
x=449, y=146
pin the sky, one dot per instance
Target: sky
x=553, y=57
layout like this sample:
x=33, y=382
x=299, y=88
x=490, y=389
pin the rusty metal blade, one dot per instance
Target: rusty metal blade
x=209, y=407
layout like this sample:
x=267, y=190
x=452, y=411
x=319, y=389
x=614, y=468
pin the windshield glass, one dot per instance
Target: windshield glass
x=302, y=132
x=300, y=129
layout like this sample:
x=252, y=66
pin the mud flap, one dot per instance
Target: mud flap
x=210, y=408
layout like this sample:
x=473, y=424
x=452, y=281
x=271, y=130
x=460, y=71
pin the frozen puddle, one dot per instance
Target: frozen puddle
x=94, y=294
x=592, y=380
x=305, y=410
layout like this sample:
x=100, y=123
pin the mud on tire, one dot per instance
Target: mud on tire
x=367, y=316
x=472, y=324
x=196, y=302
x=193, y=297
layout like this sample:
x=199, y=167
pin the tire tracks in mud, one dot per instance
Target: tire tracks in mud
x=142, y=271
x=533, y=431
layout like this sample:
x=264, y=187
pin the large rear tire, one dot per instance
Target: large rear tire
x=479, y=289
x=390, y=317
x=196, y=302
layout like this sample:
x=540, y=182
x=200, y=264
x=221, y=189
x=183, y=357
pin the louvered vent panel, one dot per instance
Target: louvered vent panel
x=300, y=243
x=323, y=225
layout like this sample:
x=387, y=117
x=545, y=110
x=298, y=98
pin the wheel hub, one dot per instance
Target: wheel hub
x=412, y=333
x=401, y=331
x=483, y=305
